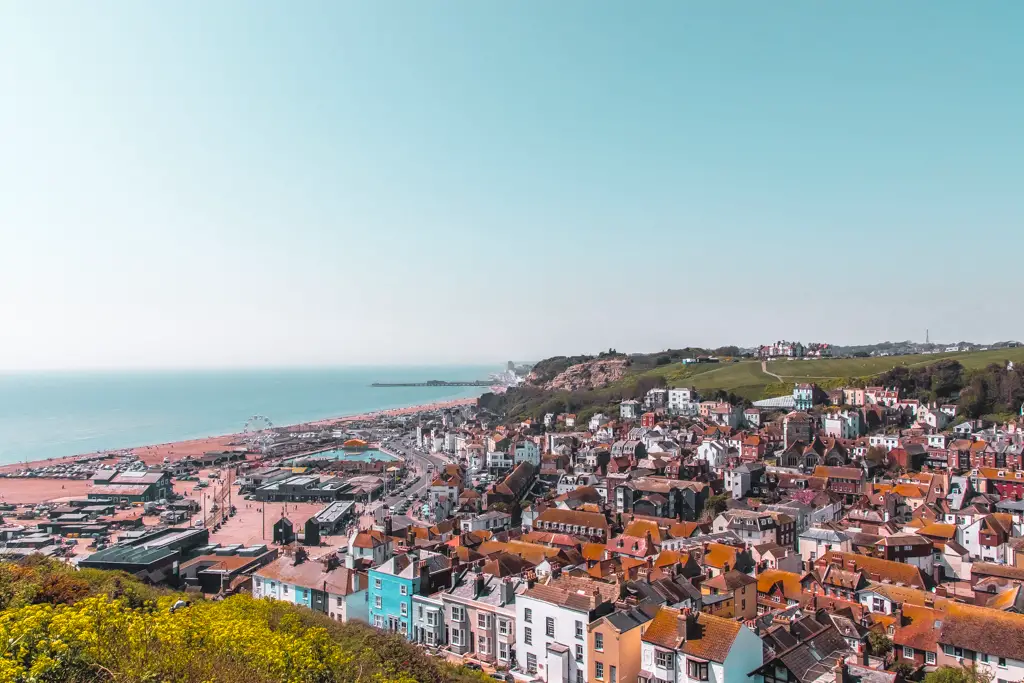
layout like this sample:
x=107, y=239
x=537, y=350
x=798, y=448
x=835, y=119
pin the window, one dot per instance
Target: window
x=599, y=642
x=579, y=676
x=339, y=601
x=579, y=653
x=598, y=670
x=697, y=671
x=611, y=674
x=929, y=657
x=483, y=620
x=432, y=618
x=377, y=602
x=403, y=589
x=404, y=609
x=528, y=635
x=457, y=637
x=503, y=651
x=579, y=630
x=376, y=584
x=908, y=652
x=502, y=627
x=528, y=615
x=378, y=621
x=664, y=660
x=483, y=646
x=403, y=625
x=458, y=613
x=1002, y=662
x=531, y=663
x=549, y=627
x=284, y=587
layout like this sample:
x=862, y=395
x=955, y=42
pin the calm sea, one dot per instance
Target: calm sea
x=58, y=414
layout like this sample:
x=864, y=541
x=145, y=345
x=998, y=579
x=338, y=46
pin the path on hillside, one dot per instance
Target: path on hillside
x=764, y=369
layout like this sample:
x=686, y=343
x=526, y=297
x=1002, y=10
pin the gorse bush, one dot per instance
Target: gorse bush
x=61, y=625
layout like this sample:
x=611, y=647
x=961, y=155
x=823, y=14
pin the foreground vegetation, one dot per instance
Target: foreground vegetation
x=57, y=624
x=977, y=381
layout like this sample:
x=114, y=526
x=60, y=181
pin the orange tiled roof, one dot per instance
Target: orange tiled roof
x=790, y=581
x=938, y=530
x=719, y=554
x=875, y=569
x=708, y=637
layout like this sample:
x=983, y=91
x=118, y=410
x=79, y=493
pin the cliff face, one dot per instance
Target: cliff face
x=588, y=375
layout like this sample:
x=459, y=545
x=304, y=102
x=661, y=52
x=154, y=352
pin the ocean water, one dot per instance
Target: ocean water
x=51, y=415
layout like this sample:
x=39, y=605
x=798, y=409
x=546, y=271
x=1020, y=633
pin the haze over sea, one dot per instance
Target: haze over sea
x=50, y=415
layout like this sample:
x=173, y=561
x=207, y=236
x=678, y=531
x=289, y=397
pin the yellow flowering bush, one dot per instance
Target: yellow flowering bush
x=117, y=631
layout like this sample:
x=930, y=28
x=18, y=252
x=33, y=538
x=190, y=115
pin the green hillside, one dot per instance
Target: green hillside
x=957, y=377
x=745, y=378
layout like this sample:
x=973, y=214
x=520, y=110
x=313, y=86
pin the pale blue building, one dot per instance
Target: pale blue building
x=393, y=584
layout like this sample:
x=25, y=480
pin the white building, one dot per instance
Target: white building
x=527, y=451
x=656, y=398
x=841, y=424
x=713, y=453
x=492, y=520
x=571, y=482
x=371, y=545
x=551, y=626
x=498, y=461
x=814, y=543
x=693, y=647
x=629, y=410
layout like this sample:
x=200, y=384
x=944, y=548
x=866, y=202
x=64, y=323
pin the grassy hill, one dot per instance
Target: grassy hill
x=747, y=379
x=90, y=626
x=752, y=380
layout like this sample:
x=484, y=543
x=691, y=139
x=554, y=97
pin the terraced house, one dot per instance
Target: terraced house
x=592, y=525
x=692, y=647
x=393, y=584
x=321, y=585
x=551, y=626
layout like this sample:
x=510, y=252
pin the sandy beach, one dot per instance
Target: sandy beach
x=36, y=490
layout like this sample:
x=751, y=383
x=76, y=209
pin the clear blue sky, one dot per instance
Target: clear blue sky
x=266, y=183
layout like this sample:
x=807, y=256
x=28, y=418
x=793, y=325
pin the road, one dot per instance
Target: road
x=418, y=461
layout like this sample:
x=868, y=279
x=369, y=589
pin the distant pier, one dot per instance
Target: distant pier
x=435, y=383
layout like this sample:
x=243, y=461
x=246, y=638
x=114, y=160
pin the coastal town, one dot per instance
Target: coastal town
x=839, y=534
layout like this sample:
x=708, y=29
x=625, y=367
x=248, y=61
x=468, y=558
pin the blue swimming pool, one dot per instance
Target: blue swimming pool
x=341, y=454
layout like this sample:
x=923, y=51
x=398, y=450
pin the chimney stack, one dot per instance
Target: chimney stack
x=840, y=671
x=424, y=572
x=478, y=585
